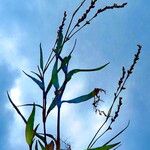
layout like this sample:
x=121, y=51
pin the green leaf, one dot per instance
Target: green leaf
x=72, y=72
x=53, y=104
x=54, y=79
x=83, y=98
x=37, y=105
x=49, y=86
x=16, y=108
x=59, y=42
x=64, y=63
x=105, y=147
x=39, y=76
x=41, y=145
x=29, y=131
x=39, y=83
x=40, y=137
x=41, y=57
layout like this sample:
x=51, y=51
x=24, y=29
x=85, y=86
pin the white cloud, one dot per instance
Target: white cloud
x=10, y=45
x=16, y=129
x=75, y=128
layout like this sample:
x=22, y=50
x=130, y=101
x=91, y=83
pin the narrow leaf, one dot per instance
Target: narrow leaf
x=49, y=86
x=40, y=137
x=72, y=72
x=41, y=145
x=83, y=98
x=36, y=146
x=48, y=135
x=54, y=79
x=53, y=104
x=106, y=147
x=37, y=105
x=41, y=57
x=16, y=108
x=64, y=63
x=59, y=42
x=29, y=131
x=117, y=134
x=39, y=83
x=39, y=76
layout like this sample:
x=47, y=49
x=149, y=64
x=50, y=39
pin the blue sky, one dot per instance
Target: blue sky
x=112, y=37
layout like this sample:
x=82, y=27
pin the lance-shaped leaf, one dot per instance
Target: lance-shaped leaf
x=41, y=145
x=16, y=108
x=41, y=57
x=84, y=97
x=39, y=83
x=40, y=137
x=72, y=72
x=50, y=146
x=54, y=79
x=106, y=147
x=53, y=104
x=59, y=42
x=64, y=63
x=29, y=131
x=37, y=105
x=39, y=76
x=49, y=86
x=36, y=145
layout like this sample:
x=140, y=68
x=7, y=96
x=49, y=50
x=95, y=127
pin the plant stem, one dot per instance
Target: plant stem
x=44, y=110
x=30, y=147
x=44, y=117
x=58, y=130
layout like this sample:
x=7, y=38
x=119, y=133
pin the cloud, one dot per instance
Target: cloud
x=6, y=82
x=10, y=64
x=10, y=45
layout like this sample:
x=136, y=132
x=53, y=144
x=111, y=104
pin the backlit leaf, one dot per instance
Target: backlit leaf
x=49, y=86
x=37, y=105
x=84, y=97
x=39, y=83
x=29, y=131
x=54, y=79
x=59, y=42
x=41, y=57
x=64, y=63
x=105, y=147
x=72, y=72
x=40, y=137
x=42, y=146
x=53, y=104
x=16, y=108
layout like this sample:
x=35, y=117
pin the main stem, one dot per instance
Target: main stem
x=44, y=118
x=30, y=147
x=58, y=130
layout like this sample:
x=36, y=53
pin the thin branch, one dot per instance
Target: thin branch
x=112, y=121
x=117, y=134
x=98, y=12
x=48, y=61
x=116, y=95
x=73, y=15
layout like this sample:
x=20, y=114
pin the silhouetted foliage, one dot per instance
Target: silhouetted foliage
x=47, y=141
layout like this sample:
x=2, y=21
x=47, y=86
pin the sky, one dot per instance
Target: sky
x=111, y=37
